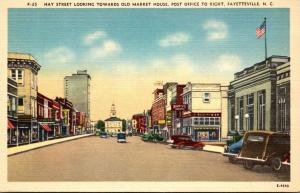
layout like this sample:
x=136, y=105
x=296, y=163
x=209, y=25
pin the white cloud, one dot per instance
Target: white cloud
x=90, y=38
x=108, y=48
x=59, y=55
x=174, y=39
x=216, y=30
x=228, y=63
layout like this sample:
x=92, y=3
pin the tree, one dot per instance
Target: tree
x=124, y=125
x=101, y=125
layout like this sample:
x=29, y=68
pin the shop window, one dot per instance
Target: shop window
x=217, y=121
x=201, y=120
x=211, y=120
x=206, y=121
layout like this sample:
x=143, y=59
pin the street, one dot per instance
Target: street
x=97, y=159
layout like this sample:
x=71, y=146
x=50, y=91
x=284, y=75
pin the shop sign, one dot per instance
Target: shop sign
x=161, y=121
x=201, y=115
x=176, y=107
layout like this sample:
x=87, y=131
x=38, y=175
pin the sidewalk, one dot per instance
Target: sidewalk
x=213, y=148
x=24, y=148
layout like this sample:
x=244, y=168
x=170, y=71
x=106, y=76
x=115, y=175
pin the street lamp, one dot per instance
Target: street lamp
x=247, y=121
x=236, y=117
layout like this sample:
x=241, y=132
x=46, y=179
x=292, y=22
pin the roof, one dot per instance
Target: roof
x=113, y=119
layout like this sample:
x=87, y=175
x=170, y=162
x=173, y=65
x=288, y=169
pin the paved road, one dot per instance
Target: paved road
x=96, y=159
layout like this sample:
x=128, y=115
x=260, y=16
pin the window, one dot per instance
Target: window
x=211, y=120
x=241, y=114
x=20, y=76
x=196, y=121
x=206, y=97
x=201, y=120
x=256, y=138
x=217, y=121
x=261, y=109
x=13, y=74
x=20, y=102
x=250, y=111
x=206, y=121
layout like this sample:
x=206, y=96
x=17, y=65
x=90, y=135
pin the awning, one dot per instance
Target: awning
x=46, y=127
x=10, y=125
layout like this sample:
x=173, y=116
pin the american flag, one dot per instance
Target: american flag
x=261, y=30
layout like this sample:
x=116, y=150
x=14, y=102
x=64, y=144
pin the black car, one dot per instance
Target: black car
x=103, y=135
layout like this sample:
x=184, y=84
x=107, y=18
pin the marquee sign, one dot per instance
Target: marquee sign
x=190, y=114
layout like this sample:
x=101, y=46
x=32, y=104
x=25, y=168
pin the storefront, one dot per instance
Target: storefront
x=206, y=133
x=45, y=131
x=12, y=133
x=203, y=126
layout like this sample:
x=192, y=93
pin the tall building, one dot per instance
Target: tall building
x=77, y=90
x=23, y=68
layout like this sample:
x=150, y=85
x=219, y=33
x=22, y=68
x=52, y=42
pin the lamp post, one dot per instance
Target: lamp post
x=247, y=121
x=236, y=117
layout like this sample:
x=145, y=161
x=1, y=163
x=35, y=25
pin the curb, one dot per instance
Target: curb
x=45, y=145
x=220, y=151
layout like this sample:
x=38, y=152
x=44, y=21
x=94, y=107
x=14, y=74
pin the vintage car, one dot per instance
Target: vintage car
x=265, y=148
x=185, y=141
x=103, y=135
x=233, y=136
x=121, y=138
x=152, y=137
x=233, y=151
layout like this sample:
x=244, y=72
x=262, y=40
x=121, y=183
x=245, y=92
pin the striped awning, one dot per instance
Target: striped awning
x=10, y=125
x=46, y=127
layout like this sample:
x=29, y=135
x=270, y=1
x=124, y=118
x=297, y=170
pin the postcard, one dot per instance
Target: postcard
x=135, y=96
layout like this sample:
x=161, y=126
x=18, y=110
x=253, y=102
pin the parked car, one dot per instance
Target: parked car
x=103, y=135
x=233, y=137
x=152, y=137
x=185, y=141
x=233, y=151
x=121, y=138
x=265, y=148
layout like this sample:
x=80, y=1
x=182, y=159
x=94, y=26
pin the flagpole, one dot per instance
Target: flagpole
x=266, y=39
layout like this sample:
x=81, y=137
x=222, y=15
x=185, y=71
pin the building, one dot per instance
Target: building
x=77, y=90
x=12, y=112
x=206, y=116
x=67, y=116
x=158, y=111
x=259, y=96
x=140, y=121
x=113, y=124
x=44, y=117
x=23, y=68
x=174, y=108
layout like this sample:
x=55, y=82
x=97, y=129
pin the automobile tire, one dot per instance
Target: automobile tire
x=248, y=164
x=232, y=160
x=198, y=148
x=180, y=146
x=276, y=164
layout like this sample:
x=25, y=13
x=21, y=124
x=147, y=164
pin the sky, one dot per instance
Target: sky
x=127, y=50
